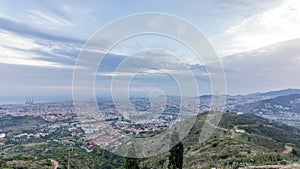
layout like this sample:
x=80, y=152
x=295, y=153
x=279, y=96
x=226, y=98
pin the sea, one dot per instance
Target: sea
x=36, y=99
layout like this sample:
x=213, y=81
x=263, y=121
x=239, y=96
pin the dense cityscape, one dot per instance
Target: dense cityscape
x=62, y=115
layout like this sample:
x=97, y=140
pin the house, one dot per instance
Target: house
x=239, y=131
x=2, y=135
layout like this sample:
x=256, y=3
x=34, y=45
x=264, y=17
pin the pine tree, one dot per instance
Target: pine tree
x=176, y=152
x=130, y=162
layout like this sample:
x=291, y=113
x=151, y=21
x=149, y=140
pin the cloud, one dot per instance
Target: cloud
x=39, y=44
x=233, y=9
x=20, y=50
x=22, y=80
x=269, y=68
x=271, y=26
x=25, y=30
x=149, y=61
x=149, y=70
x=24, y=45
x=48, y=21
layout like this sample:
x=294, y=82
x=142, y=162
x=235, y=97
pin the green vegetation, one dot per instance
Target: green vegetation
x=131, y=162
x=15, y=124
x=261, y=143
x=258, y=146
x=38, y=155
x=176, y=152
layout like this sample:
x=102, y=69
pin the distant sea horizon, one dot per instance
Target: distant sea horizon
x=36, y=99
x=43, y=99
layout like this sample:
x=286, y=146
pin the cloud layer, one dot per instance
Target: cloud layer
x=269, y=27
x=40, y=42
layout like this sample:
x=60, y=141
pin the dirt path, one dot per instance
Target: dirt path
x=54, y=164
x=287, y=150
x=211, y=117
x=292, y=166
x=34, y=144
x=232, y=133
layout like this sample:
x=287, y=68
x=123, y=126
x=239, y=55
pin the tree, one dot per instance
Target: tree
x=176, y=152
x=131, y=162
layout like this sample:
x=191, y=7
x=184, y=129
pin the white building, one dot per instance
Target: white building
x=2, y=135
x=239, y=131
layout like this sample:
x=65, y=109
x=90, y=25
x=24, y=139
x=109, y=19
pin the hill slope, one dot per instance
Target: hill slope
x=239, y=141
x=281, y=104
x=272, y=94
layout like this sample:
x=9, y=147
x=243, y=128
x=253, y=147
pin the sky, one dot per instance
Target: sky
x=257, y=42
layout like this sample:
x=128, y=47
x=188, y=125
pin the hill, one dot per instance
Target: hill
x=272, y=94
x=238, y=141
x=281, y=104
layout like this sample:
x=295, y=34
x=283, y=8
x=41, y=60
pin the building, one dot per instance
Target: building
x=2, y=135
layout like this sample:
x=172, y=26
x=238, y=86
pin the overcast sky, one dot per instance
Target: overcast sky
x=256, y=41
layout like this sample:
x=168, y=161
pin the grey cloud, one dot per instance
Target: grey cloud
x=65, y=57
x=268, y=68
x=245, y=8
x=21, y=80
x=25, y=30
